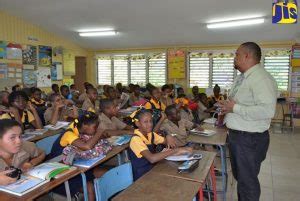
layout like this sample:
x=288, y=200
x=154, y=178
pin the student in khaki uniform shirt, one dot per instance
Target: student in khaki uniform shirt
x=22, y=111
x=14, y=151
x=166, y=91
x=109, y=121
x=58, y=111
x=89, y=103
x=177, y=126
x=84, y=95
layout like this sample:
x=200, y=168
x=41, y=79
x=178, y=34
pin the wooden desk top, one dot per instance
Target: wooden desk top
x=169, y=168
x=218, y=139
x=154, y=187
x=47, y=134
x=116, y=150
x=40, y=190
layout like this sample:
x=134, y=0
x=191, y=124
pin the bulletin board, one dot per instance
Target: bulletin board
x=176, y=64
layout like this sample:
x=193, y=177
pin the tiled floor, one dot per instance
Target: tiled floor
x=280, y=172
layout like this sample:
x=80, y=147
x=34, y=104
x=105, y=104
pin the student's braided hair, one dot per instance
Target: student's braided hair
x=87, y=118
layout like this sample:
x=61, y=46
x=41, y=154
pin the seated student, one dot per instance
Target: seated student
x=109, y=121
x=110, y=93
x=36, y=98
x=205, y=109
x=174, y=124
x=154, y=104
x=89, y=103
x=195, y=92
x=180, y=91
x=135, y=97
x=142, y=152
x=65, y=92
x=216, y=96
x=22, y=111
x=76, y=135
x=166, y=93
x=119, y=88
x=59, y=111
x=83, y=96
x=4, y=103
x=55, y=89
x=38, y=102
x=16, y=87
x=183, y=103
x=14, y=151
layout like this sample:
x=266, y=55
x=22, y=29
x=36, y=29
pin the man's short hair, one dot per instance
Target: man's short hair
x=254, y=49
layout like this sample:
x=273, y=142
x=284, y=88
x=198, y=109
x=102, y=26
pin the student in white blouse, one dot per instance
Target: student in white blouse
x=249, y=110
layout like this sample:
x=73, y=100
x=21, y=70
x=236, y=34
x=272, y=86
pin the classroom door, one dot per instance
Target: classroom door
x=80, y=73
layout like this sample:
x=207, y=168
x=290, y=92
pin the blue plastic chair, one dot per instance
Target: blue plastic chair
x=106, y=186
x=47, y=143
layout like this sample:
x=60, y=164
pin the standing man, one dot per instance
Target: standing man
x=249, y=110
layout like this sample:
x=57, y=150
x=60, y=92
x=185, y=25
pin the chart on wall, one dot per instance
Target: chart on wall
x=45, y=56
x=29, y=55
x=176, y=64
x=29, y=78
x=43, y=77
x=56, y=71
x=13, y=51
x=3, y=45
x=15, y=72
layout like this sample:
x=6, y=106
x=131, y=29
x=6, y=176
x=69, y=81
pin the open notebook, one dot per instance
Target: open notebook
x=36, y=177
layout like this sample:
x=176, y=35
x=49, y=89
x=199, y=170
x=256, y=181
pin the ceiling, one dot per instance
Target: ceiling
x=150, y=23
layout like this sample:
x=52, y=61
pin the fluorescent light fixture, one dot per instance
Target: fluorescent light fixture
x=98, y=33
x=235, y=23
x=96, y=29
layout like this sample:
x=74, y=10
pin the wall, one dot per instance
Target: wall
x=15, y=29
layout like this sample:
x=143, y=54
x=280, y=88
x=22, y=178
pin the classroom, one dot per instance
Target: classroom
x=149, y=100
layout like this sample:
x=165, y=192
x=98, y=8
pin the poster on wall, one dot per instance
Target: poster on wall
x=29, y=55
x=3, y=45
x=13, y=51
x=3, y=71
x=176, y=64
x=45, y=56
x=57, y=54
x=29, y=78
x=43, y=77
x=56, y=71
x=69, y=62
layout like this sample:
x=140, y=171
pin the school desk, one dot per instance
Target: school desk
x=155, y=187
x=219, y=140
x=43, y=189
x=46, y=134
x=169, y=168
x=116, y=151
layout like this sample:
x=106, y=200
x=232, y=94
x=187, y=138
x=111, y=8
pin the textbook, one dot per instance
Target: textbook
x=58, y=125
x=36, y=177
x=86, y=163
x=123, y=139
x=205, y=132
